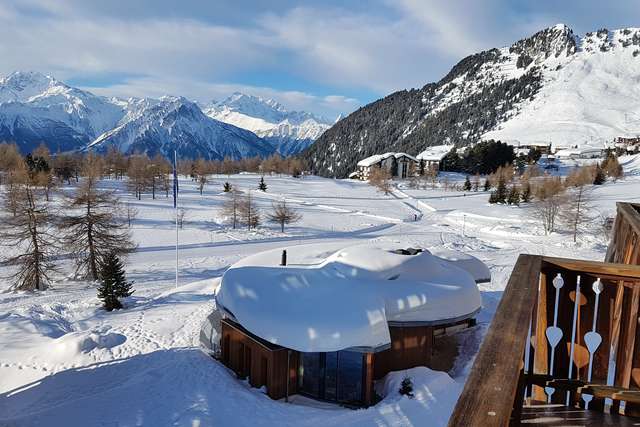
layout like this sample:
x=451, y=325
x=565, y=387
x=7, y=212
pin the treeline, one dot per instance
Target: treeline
x=483, y=158
x=88, y=223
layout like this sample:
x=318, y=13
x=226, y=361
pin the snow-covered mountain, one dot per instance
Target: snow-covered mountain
x=289, y=132
x=36, y=108
x=160, y=126
x=553, y=86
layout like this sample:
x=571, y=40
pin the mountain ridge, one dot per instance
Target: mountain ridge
x=499, y=93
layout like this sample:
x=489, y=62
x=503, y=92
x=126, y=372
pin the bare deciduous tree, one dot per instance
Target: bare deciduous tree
x=283, y=214
x=231, y=207
x=249, y=212
x=93, y=227
x=31, y=234
x=381, y=179
x=576, y=210
x=549, y=198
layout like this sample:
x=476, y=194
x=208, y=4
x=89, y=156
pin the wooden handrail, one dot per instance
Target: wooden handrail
x=596, y=268
x=488, y=395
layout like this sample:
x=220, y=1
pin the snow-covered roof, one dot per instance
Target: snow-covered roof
x=330, y=298
x=377, y=158
x=579, y=151
x=434, y=153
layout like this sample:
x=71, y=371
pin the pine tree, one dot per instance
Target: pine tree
x=476, y=182
x=113, y=283
x=599, y=177
x=514, y=196
x=487, y=184
x=227, y=187
x=262, y=186
x=500, y=193
x=467, y=184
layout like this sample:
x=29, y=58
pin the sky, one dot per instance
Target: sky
x=326, y=57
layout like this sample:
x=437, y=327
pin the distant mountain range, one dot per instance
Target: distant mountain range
x=289, y=132
x=36, y=108
x=553, y=86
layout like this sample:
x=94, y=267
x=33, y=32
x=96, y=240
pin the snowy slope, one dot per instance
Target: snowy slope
x=64, y=362
x=36, y=108
x=160, y=126
x=587, y=98
x=288, y=131
x=553, y=86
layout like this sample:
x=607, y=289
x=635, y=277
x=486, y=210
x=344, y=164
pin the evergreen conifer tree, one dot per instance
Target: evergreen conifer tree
x=262, y=186
x=467, y=184
x=599, y=177
x=487, y=184
x=113, y=283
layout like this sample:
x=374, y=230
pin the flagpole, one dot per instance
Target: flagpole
x=175, y=204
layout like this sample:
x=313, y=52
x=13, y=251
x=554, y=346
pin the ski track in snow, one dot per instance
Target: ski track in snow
x=66, y=362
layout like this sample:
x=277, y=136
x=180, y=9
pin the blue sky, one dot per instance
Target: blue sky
x=326, y=57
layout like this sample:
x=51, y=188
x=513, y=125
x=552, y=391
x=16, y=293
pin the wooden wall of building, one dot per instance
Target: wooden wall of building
x=262, y=363
x=410, y=347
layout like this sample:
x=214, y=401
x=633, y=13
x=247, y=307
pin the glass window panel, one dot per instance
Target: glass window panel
x=350, y=373
x=331, y=376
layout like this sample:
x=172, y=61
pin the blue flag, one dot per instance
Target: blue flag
x=175, y=180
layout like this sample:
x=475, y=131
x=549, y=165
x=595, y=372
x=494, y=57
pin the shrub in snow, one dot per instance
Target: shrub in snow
x=406, y=387
x=227, y=187
x=526, y=192
x=113, y=284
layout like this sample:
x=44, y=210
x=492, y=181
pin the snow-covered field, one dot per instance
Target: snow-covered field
x=66, y=362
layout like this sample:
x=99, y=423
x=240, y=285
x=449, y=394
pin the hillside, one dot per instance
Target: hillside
x=552, y=86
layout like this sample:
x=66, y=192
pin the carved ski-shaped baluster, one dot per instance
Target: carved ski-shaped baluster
x=553, y=333
x=576, y=307
x=592, y=339
x=527, y=355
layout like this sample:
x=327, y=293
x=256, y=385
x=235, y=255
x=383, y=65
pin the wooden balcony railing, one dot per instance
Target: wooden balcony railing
x=565, y=332
x=624, y=247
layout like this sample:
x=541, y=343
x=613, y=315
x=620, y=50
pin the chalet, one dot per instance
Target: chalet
x=399, y=165
x=431, y=158
x=332, y=320
x=564, y=345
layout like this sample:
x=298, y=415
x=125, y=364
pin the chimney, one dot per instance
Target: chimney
x=283, y=260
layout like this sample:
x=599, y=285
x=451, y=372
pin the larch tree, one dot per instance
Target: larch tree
x=249, y=212
x=381, y=179
x=283, y=215
x=231, y=207
x=576, y=211
x=93, y=227
x=31, y=234
x=549, y=199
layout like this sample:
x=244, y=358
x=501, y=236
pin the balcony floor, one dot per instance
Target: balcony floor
x=563, y=416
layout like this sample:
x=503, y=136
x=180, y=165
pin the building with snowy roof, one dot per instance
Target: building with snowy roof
x=331, y=320
x=399, y=165
x=431, y=158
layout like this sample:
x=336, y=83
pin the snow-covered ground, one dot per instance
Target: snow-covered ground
x=66, y=362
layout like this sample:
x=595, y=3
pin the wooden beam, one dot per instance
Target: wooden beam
x=488, y=396
x=541, y=350
x=595, y=268
x=630, y=338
